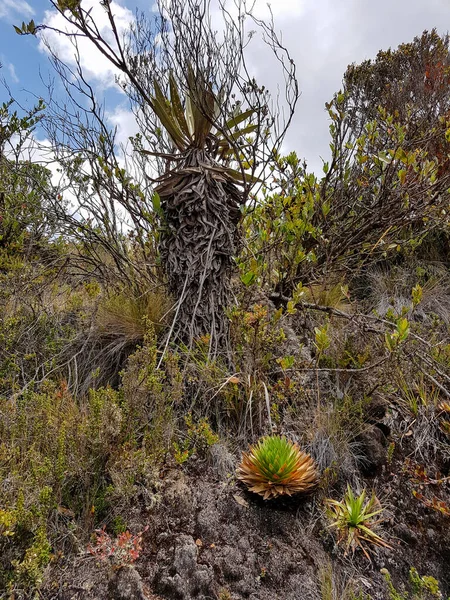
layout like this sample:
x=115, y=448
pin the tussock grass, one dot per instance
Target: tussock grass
x=327, y=293
x=338, y=586
x=127, y=316
x=390, y=290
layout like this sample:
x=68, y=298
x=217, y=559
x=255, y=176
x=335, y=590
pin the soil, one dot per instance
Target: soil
x=208, y=538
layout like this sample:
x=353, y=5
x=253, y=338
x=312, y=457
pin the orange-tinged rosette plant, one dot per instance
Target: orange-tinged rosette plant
x=276, y=466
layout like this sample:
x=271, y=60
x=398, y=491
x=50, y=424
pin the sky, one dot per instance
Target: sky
x=323, y=37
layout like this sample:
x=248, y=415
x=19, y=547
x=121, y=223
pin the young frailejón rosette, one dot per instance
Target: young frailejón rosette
x=275, y=467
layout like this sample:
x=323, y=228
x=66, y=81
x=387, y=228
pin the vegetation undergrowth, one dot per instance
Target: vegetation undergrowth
x=120, y=361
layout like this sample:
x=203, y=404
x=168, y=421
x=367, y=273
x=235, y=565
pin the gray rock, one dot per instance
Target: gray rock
x=126, y=585
x=232, y=563
x=185, y=578
x=373, y=447
x=207, y=520
x=376, y=408
x=180, y=500
x=405, y=533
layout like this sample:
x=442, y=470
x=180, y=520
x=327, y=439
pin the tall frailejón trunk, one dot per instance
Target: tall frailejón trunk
x=200, y=236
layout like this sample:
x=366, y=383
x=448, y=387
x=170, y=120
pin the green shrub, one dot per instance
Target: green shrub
x=422, y=587
x=77, y=463
x=198, y=438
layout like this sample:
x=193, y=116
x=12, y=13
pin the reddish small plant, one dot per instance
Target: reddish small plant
x=419, y=477
x=434, y=503
x=123, y=551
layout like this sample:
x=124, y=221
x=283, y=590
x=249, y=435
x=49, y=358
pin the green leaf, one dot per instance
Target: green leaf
x=402, y=329
x=383, y=158
x=401, y=156
x=177, y=106
x=290, y=308
x=402, y=176
x=163, y=111
x=156, y=201
x=248, y=278
x=71, y=5
x=234, y=121
x=249, y=129
x=322, y=342
x=416, y=294
x=326, y=207
x=390, y=340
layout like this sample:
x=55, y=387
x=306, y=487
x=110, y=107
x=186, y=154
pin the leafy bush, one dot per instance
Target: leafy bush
x=27, y=220
x=199, y=437
x=422, y=587
x=77, y=463
x=385, y=189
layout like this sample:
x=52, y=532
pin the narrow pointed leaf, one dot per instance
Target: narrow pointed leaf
x=177, y=106
x=246, y=178
x=233, y=122
x=169, y=124
x=249, y=129
x=189, y=115
x=156, y=201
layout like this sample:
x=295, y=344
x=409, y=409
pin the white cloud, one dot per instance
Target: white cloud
x=15, y=9
x=11, y=68
x=12, y=72
x=96, y=67
x=279, y=8
x=323, y=37
x=125, y=123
